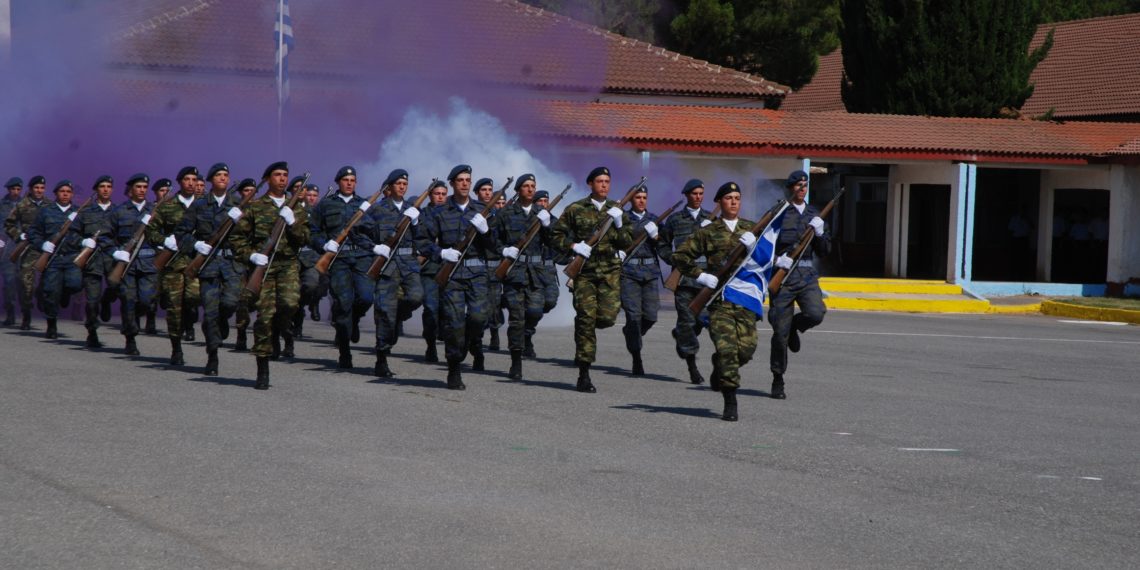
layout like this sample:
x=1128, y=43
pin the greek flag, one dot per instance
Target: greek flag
x=283, y=40
x=750, y=284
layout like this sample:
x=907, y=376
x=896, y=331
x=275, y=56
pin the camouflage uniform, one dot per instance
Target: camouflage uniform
x=96, y=219
x=177, y=295
x=640, y=295
x=398, y=289
x=597, y=289
x=525, y=285
x=8, y=269
x=432, y=317
x=495, y=291
x=220, y=280
x=801, y=287
x=314, y=284
x=674, y=232
x=280, y=293
x=61, y=279
x=348, y=275
x=138, y=287
x=732, y=327
x=17, y=223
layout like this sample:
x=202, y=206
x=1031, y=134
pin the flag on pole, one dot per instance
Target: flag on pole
x=283, y=38
x=750, y=284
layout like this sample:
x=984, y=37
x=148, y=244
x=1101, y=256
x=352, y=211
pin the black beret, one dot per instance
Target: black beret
x=14, y=181
x=37, y=179
x=522, y=180
x=61, y=184
x=102, y=179
x=692, y=185
x=794, y=177
x=280, y=165
x=219, y=167
x=596, y=173
x=395, y=175
x=726, y=188
x=541, y=194
x=642, y=190
x=246, y=183
x=310, y=187
x=437, y=184
x=295, y=181
x=344, y=171
x=459, y=169
x=187, y=171
x=137, y=177
x=482, y=182
x=161, y=183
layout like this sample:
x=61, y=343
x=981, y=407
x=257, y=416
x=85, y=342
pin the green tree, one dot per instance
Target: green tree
x=1063, y=10
x=630, y=18
x=952, y=58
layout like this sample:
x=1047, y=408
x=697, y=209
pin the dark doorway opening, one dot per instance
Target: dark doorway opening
x=928, y=235
x=1080, y=236
x=1006, y=225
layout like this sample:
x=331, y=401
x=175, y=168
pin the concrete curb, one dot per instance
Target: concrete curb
x=1059, y=309
x=1026, y=309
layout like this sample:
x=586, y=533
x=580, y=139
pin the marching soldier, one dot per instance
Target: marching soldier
x=640, y=272
x=281, y=289
x=431, y=315
x=548, y=273
x=411, y=291
x=597, y=289
x=61, y=279
x=801, y=286
x=93, y=229
x=138, y=287
x=177, y=295
x=673, y=232
x=485, y=190
x=7, y=267
x=241, y=314
x=732, y=327
x=314, y=284
x=17, y=225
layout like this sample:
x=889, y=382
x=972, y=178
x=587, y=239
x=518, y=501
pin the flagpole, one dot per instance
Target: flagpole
x=280, y=67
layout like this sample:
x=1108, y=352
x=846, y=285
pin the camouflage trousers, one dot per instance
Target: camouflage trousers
x=524, y=309
x=550, y=290
x=94, y=289
x=782, y=316
x=221, y=288
x=733, y=332
x=351, y=291
x=27, y=280
x=241, y=313
x=179, y=297
x=314, y=286
x=137, y=293
x=431, y=315
x=688, y=326
x=464, y=303
x=495, y=302
x=8, y=271
x=597, y=299
x=640, y=300
x=59, y=282
x=411, y=294
x=279, y=298
x=385, y=309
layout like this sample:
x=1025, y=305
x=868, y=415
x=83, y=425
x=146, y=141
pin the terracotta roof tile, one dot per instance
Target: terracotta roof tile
x=823, y=92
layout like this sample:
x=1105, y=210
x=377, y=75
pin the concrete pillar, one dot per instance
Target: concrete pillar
x=1123, y=227
x=896, y=226
x=1045, y=232
x=963, y=194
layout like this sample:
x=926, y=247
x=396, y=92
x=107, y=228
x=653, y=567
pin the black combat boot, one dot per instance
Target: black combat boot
x=211, y=362
x=584, y=383
x=288, y=352
x=176, y=352
x=494, y=343
x=241, y=344
x=477, y=356
x=105, y=307
x=188, y=329
x=454, y=378
x=638, y=366
x=10, y=319
x=516, y=365
x=223, y=328
x=381, y=370
x=715, y=380
x=355, y=338
x=298, y=324
x=150, y=329
x=275, y=346
x=315, y=311
x=694, y=374
x=528, y=348
x=262, y=382
x=794, y=340
x=729, y=414
x=132, y=349
x=777, y=392
x=93, y=339
x=344, y=361
x=51, y=330
x=26, y=322
x=431, y=354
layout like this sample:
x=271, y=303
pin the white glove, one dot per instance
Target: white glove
x=480, y=223
x=72, y=215
x=170, y=243
x=88, y=243
x=287, y=215
x=615, y=213
x=511, y=252
x=784, y=262
x=651, y=229
x=621, y=255
x=203, y=247
x=705, y=223
x=382, y=250
x=48, y=247
x=2, y=244
x=332, y=246
x=145, y=220
x=365, y=205
x=582, y=249
x=748, y=239
x=708, y=280
x=450, y=255
x=412, y=213
x=259, y=259
x=121, y=255
x=23, y=236
x=816, y=224
x=544, y=218
x=234, y=213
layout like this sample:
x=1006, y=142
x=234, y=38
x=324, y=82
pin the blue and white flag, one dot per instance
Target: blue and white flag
x=283, y=41
x=750, y=284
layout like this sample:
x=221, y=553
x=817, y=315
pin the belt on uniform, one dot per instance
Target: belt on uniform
x=305, y=248
x=804, y=263
x=148, y=252
x=474, y=263
x=529, y=259
x=346, y=247
x=404, y=251
x=225, y=253
x=548, y=262
x=641, y=261
x=701, y=260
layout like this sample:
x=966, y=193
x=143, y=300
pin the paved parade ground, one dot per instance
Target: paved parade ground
x=915, y=441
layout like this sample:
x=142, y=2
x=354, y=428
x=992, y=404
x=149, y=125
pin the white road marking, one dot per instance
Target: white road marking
x=842, y=433
x=1091, y=478
x=937, y=449
x=1112, y=323
x=1080, y=340
x=1048, y=477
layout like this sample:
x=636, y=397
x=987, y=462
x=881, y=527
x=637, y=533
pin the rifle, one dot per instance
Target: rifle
x=138, y=237
x=733, y=261
x=506, y=264
x=674, y=279
x=18, y=251
x=85, y=254
x=447, y=267
x=575, y=266
x=641, y=237
x=46, y=257
x=257, y=276
x=805, y=241
x=328, y=257
x=381, y=262
x=195, y=266
x=165, y=256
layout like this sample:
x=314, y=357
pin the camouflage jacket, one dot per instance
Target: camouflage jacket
x=7, y=206
x=509, y=226
x=201, y=220
x=428, y=266
x=327, y=220
x=22, y=217
x=642, y=265
x=578, y=222
x=90, y=221
x=164, y=222
x=794, y=225
x=252, y=231
x=49, y=220
x=676, y=229
x=125, y=218
x=713, y=242
x=380, y=223
x=446, y=228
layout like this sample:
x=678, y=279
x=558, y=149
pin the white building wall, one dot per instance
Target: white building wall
x=1123, y=224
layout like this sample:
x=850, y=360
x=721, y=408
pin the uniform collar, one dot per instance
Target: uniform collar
x=185, y=201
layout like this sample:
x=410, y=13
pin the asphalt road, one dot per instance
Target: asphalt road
x=907, y=441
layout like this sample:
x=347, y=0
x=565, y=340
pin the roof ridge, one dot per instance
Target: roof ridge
x=169, y=16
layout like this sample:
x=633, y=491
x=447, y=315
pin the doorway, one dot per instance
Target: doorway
x=929, y=230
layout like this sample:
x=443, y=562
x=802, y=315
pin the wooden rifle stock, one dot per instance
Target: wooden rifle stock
x=641, y=237
x=55, y=240
x=674, y=279
x=195, y=266
x=328, y=257
x=448, y=267
x=506, y=264
x=805, y=241
x=18, y=251
x=257, y=276
x=575, y=266
x=380, y=262
x=134, y=245
x=733, y=262
x=85, y=254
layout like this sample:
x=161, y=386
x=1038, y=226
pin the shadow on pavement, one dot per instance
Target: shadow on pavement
x=695, y=412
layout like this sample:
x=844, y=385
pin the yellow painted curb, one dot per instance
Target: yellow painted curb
x=1026, y=309
x=1059, y=309
x=908, y=305
x=898, y=286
